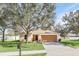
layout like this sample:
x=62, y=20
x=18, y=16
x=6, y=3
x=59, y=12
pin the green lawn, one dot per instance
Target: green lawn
x=71, y=43
x=39, y=54
x=8, y=46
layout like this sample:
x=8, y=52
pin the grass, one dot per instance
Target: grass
x=71, y=43
x=39, y=54
x=9, y=46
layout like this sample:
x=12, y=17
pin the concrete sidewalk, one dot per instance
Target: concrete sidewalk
x=23, y=52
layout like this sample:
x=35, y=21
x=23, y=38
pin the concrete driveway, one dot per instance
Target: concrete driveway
x=57, y=49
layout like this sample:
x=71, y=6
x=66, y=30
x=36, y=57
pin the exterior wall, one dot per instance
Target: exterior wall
x=58, y=37
x=47, y=37
x=30, y=37
x=39, y=38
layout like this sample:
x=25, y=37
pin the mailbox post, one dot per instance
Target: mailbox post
x=19, y=47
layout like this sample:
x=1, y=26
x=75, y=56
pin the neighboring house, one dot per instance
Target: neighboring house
x=10, y=38
x=9, y=35
x=73, y=36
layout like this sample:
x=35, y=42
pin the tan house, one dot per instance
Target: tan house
x=43, y=35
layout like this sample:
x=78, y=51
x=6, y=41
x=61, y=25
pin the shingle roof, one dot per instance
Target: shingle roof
x=44, y=32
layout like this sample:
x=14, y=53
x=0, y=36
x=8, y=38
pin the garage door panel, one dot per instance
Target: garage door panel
x=49, y=38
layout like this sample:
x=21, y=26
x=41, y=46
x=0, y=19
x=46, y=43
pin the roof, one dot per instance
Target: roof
x=44, y=32
x=39, y=31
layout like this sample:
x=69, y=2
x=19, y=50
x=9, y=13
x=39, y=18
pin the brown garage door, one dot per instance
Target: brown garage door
x=49, y=38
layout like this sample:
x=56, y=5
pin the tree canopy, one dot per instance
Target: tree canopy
x=27, y=16
x=72, y=21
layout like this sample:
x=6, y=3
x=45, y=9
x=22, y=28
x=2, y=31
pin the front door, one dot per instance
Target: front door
x=36, y=37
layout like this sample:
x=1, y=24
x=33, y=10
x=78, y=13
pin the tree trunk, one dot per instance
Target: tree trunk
x=26, y=36
x=19, y=48
x=3, y=35
x=15, y=35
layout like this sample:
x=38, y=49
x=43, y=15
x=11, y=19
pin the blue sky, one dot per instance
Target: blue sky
x=62, y=8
